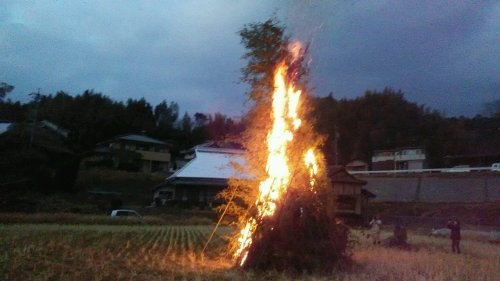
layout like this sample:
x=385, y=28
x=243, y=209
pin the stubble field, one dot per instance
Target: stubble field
x=120, y=252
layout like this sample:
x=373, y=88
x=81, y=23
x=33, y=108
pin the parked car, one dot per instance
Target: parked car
x=132, y=214
x=495, y=167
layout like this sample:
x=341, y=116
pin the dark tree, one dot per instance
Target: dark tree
x=219, y=126
x=140, y=115
x=186, y=124
x=200, y=119
x=5, y=89
x=267, y=45
x=166, y=114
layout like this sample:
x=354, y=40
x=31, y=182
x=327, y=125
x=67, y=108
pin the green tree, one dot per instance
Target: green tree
x=267, y=45
x=219, y=126
x=166, y=114
x=186, y=124
x=13, y=111
x=140, y=115
x=5, y=89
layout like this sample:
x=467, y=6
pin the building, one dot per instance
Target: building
x=202, y=178
x=352, y=198
x=35, y=153
x=411, y=158
x=134, y=152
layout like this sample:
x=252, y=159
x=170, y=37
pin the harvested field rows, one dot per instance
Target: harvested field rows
x=106, y=252
x=110, y=252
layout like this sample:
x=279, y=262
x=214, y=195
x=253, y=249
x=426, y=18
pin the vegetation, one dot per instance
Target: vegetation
x=93, y=117
x=5, y=89
x=105, y=252
x=386, y=120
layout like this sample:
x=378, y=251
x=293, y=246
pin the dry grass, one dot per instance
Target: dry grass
x=99, y=252
x=431, y=259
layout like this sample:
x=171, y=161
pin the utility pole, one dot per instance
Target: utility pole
x=36, y=98
x=336, y=145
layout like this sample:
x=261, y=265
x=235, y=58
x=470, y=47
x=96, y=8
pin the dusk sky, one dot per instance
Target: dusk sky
x=444, y=54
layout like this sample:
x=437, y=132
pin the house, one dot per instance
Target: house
x=410, y=158
x=38, y=134
x=134, y=152
x=352, y=198
x=36, y=153
x=202, y=178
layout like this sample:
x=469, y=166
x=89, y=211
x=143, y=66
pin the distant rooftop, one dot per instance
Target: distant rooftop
x=56, y=128
x=4, y=126
x=218, y=146
x=140, y=138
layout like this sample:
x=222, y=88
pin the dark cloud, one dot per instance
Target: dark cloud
x=440, y=54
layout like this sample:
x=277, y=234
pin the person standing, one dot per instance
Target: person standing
x=376, y=225
x=454, y=226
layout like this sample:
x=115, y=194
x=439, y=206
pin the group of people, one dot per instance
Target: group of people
x=400, y=236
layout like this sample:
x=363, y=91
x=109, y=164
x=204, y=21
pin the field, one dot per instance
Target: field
x=124, y=252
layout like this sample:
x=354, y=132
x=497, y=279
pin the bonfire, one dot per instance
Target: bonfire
x=291, y=224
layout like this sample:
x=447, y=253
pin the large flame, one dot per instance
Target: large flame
x=286, y=101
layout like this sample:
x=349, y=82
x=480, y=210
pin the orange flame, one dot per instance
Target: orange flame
x=310, y=161
x=286, y=100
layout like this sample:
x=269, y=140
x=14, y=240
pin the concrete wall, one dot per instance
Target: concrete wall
x=466, y=187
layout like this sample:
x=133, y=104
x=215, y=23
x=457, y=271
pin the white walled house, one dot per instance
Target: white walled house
x=410, y=158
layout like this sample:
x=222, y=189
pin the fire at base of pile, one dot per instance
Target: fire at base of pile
x=302, y=235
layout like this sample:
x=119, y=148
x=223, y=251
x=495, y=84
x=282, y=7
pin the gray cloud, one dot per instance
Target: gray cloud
x=440, y=54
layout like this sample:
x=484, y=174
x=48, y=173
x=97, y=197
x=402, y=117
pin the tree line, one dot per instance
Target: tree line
x=384, y=119
x=356, y=127
x=92, y=117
